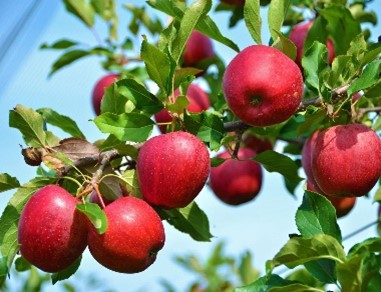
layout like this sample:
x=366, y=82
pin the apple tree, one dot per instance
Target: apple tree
x=314, y=84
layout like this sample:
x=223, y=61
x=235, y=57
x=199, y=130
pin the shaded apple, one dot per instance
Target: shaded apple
x=133, y=237
x=262, y=86
x=256, y=143
x=236, y=181
x=172, y=169
x=346, y=160
x=298, y=36
x=343, y=205
x=99, y=90
x=52, y=233
x=198, y=102
x=198, y=48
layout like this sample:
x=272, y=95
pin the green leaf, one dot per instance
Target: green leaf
x=191, y=220
x=295, y=288
x=285, y=45
x=159, y=66
x=126, y=127
x=185, y=75
x=315, y=65
x=8, y=182
x=131, y=183
x=316, y=215
x=207, y=126
x=81, y=9
x=374, y=91
x=323, y=270
x=275, y=162
x=216, y=161
x=298, y=251
x=3, y=270
x=372, y=52
x=60, y=45
x=263, y=284
x=192, y=15
x=369, y=77
x=247, y=272
x=29, y=123
x=66, y=273
x=22, y=265
x=10, y=217
x=95, y=215
x=370, y=245
x=63, y=122
x=253, y=21
x=276, y=15
x=140, y=97
x=349, y=274
x=67, y=58
x=179, y=105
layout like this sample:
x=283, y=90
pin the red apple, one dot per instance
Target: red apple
x=99, y=90
x=52, y=232
x=172, y=169
x=236, y=181
x=198, y=102
x=346, y=160
x=343, y=205
x=262, y=86
x=257, y=144
x=133, y=237
x=198, y=48
x=298, y=36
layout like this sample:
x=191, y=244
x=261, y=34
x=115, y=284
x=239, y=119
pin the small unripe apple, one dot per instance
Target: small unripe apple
x=198, y=102
x=346, y=160
x=99, y=90
x=133, y=237
x=257, y=144
x=343, y=205
x=198, y=48
x=236, y=181
x=298, y=36
x=52, y=233
x=262, y=86
x=172, y=169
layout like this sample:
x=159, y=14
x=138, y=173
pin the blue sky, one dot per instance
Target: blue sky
x=261, y=226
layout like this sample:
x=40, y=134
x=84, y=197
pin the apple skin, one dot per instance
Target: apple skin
x=198, y=102
x=133, y=237
x=346, y=160
x=52, y=233
x=198, y=48
x=257, y=144
x=343, y=205
x=236, y=181
x=99, y=90
x=172, y=169
x=262, y=86
x=298, y=36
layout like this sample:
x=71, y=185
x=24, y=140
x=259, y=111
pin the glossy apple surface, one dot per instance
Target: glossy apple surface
x=346, y=160
x=198, y=102
x=198, y=48
x=51, y=232
x=298, y=36
x=236, y=181
x=133, y=237
x=262, y=86
x=99, y=90
x=172, y=169
x=257, y=144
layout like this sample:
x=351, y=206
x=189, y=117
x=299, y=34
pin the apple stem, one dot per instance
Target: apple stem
x=237, y=144
x=96, y=188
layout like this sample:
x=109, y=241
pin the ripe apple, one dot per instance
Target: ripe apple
x=99, y=90
x=262, y=86
x=298, y=36
x=198, y=102
x=172, y=169
x=52, y=232
x=198, y=48
x=346, y=160
x=343, y=205
x=257, y=144
x=133, y=237
x=236, y=181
